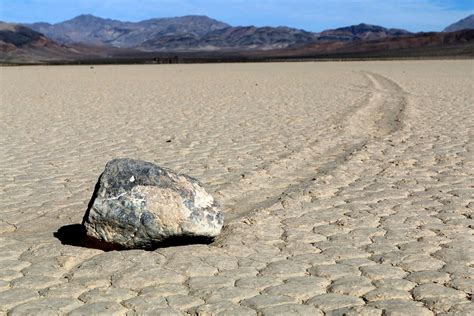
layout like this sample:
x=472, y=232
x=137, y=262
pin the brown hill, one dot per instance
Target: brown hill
x=21, y=44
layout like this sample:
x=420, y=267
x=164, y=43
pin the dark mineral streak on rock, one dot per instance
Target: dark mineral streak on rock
x=137, y=204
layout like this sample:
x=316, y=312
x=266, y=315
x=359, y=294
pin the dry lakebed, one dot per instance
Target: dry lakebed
x=347, y=187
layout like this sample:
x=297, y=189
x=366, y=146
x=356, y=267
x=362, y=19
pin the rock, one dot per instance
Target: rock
x=137, y=204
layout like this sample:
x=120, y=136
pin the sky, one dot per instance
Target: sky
x=311, y=15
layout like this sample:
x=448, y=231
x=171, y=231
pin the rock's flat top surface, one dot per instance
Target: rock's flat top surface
x=363, y=173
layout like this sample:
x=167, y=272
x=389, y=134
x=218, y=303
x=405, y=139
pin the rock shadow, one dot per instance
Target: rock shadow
x=75, y=235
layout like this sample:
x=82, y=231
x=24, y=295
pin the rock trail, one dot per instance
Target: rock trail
x=379, y=115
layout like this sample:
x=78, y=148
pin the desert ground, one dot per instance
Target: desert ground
x=347, y=187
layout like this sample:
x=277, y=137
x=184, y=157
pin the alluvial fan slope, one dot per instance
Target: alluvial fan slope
x=346, y=187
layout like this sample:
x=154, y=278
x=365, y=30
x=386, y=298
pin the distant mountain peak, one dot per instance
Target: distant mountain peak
x=85, y=17
x=363, y=27
x=464, y=24
x=361, y=31
x=88, y=18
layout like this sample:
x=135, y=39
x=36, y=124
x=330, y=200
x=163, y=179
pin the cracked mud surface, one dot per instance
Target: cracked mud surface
x=347, y=187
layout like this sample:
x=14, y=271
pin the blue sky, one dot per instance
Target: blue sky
x=311, y=15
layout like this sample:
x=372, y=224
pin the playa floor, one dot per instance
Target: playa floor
x=348, y=188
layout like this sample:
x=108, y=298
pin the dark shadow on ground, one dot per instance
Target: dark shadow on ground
x=75, y=235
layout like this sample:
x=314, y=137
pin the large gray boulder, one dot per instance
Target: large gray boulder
x=137, y=204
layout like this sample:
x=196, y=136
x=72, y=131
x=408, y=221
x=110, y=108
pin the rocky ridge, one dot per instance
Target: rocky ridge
x=464, y=24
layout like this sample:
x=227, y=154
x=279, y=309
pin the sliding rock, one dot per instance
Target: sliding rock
x=138, y=204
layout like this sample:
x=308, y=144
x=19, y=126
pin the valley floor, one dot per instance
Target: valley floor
x=347, y=187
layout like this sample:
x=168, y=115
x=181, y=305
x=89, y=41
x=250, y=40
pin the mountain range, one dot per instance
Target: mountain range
x=88, y=36
x=196, y=33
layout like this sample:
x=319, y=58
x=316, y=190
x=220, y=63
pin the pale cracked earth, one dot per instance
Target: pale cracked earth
x=348, y=188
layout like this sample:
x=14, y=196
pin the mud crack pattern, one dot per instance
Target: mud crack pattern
x=350, y=187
